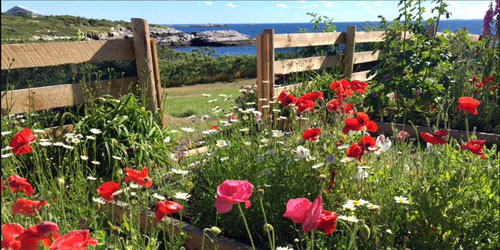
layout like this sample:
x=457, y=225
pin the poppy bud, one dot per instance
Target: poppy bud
x=260, y=191
x=268, y=228
x=365, y=231
x=215, y=230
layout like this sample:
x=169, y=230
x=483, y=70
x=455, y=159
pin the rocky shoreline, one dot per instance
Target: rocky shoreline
x=167, y=36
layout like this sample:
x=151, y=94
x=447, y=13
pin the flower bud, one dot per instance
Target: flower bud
x=60, y=181
x=260, y=191
x=322, y=177
x=115, y=230
x=296, y=240
x=215, y=230
x=268, y=228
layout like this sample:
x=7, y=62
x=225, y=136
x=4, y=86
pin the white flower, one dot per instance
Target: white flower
x=206, y=95
x=118, y=158
x=221, y=143
x=174, y=131
x=6, y=155
x=347, y=159
x=373, y=206
x=278, y=133
x=209, y=132
x=282, y=118
x=91, y=178
x=167, y=139
x=45, y=143
x=341, y=147
x=98, y=200
x=188, y=130
x=84, y=157
x=361, y=174
x=389, y=231
x=244, y=130
x=134, y=185
x=302, y=152
x=352, y=204
x=204, y=117
x=38, y=131
x=224, y=159
x=383, y=144
x=265, y=106
x=67, y=146
x=284, y=248
x=401, y=200
x=276, y=110
x=213, y=100
x=58, y=144
x=4, y=133
x=250, y=103
x=159, y=197
x=316, y=166
x=180, y=171
x=348, y=218
x=95, y=131
x=264, y=140
x=90, y=137
x=7, y=148
x=222, y=95
x=247, y=143
x=95, y=162
x=182, y=196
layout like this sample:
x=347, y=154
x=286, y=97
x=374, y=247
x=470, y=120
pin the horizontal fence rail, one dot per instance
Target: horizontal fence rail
x=31, y=55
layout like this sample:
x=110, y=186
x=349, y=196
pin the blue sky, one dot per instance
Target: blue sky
x=182, y=12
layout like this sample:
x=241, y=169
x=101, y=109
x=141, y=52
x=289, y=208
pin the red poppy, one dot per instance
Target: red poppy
x=107, y=190
x=328, y=222
x=166, y=207
x=494, y=87
x=334, y=105
x=367, y=142
x=27, y=207
x=351, y=124
x=479, y=85
x=474, y=79
x=436, y=137
x=313, y=96
x=371, y=126
x=139, y=177
x=348, y=109
x=286, y=99
x=305, y=105
x=363, y=118
x=214, y=128
x=489, y=80
x=10, y=233
x=75, y=240
x=476, y=147
x=17, y=183
x=359, y=86
x=20, y=144
x=468, y=104
x=311, y=134
x=342, y=88
x=44, y=232
x=355, y=151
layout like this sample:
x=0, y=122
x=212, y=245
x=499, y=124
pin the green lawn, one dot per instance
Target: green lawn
x=182, y=102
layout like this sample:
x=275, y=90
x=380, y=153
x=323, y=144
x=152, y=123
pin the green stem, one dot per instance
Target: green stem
x=267, y=229
x=312, y=240
x=246, y=225
x=203, y=239
x=467, y=127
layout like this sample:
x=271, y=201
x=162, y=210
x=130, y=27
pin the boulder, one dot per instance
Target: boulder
x=221, y=38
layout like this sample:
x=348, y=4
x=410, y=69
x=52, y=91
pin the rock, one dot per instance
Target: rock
x=221, y=38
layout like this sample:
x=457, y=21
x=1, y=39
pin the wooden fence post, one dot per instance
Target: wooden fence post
x=159, y=91
x=350, y=45
x=144, y=61
x=265, y=71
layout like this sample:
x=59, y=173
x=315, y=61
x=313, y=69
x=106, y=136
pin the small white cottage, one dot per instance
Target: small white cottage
x=22, y=11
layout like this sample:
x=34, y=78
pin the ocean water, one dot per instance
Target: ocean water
x=473, y=26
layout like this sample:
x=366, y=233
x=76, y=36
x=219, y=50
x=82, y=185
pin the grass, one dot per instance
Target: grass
x=182, y=102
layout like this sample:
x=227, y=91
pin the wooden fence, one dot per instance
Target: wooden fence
x=268, y=68
x=141, y=48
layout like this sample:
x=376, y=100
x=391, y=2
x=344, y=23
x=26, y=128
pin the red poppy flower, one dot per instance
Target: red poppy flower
x=348, y=109
x=476, y=147
x=305, y=105
x=75, y=240
x=311, y=134
x=214, y=128
x=10, y=233
x=334, y=105
x=302, y=211
x=494, y=87
x=355, y=151
x=17, y=183
x=489, y=80
x=20, y=144
x=27, y=207
x=468, y=104
x=479, y=85
x=436, y=137
x=371, y=126
x=44, y=232
x=359, y=86
x=313, y=96
x=342, y=88
x=351, y=124
x=367, y=142
x=139, y=177
x=328, y=222
x=166, y=207
x=474, y=79
x=363, y=118
x=286, y=99
x=107, y=190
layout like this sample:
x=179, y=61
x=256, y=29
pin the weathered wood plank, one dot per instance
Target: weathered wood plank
x=370, y=36
x=366, y=56
x=291, y=87
x=308, y=39
x=305, y=64
x=30, y=100
x=144, y=60
x=350, y=45
x=362, y=76
x=29, y=55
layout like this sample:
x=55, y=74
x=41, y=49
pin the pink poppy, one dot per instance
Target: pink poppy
x=302, y=211
x=232, y=192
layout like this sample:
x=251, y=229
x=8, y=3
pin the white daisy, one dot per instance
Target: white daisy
x=118, y=158
x=91, y=178
x=167, y=139
x=348, y=218
x=159, y=197
x=206, y=95
x=302, y=152
x=278, y=133
x=221, y=143
x=244, y=130
x=347, y=159
x=316, y=166
x=187, y=130
x=90, y=137
x=180, y=171
x=4, y=133
x=98, y=200
x=95, y=162
x=95, y=131
x=84, y=157
x=6, y=155
x=401, y=200
x=182, y=196
x=361, y=174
